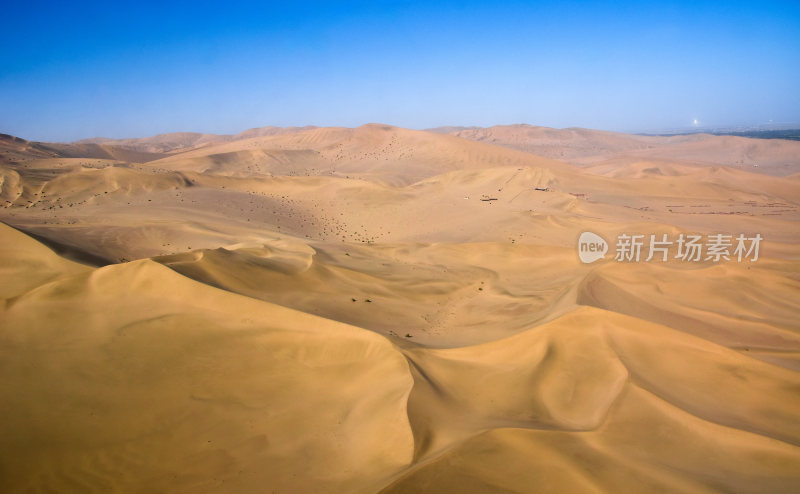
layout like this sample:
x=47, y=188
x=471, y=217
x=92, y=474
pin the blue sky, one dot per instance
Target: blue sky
x=120, y=69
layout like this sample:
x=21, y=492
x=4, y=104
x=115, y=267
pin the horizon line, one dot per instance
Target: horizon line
x=689, y=129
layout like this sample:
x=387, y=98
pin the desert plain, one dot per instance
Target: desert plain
x=378, y=309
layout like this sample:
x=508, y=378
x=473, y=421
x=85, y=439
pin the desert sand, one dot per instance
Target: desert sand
x=346, y=310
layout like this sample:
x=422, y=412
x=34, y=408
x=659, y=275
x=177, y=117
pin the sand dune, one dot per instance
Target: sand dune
x=181, y=141
x=385, y=310
x=17, y=150
x=375, y=152
x=584, y=147
x=141, y=394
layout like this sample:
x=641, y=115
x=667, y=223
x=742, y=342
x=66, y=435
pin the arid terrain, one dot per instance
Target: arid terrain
x=377, y=309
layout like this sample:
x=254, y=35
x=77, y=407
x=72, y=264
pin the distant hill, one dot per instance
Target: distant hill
x=181, y=141
x=584, y=147
x=790, y=134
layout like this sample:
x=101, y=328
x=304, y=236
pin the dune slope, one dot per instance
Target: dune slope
x=178, y=386
x=386, y=310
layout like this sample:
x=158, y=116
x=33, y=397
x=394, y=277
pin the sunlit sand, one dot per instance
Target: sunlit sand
x=337, y=310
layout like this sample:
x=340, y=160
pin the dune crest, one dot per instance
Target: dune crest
x=386, y=310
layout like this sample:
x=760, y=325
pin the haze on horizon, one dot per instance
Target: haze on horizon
x=137, y=69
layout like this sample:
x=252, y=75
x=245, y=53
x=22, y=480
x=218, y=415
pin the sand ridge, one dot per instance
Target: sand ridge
x=386, y=310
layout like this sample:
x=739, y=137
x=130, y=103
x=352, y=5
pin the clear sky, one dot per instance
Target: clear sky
x=120, y=69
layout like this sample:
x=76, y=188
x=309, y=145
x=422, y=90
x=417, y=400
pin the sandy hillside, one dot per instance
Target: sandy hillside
x=176, y=142
x=387, y=310
x=584, y=147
